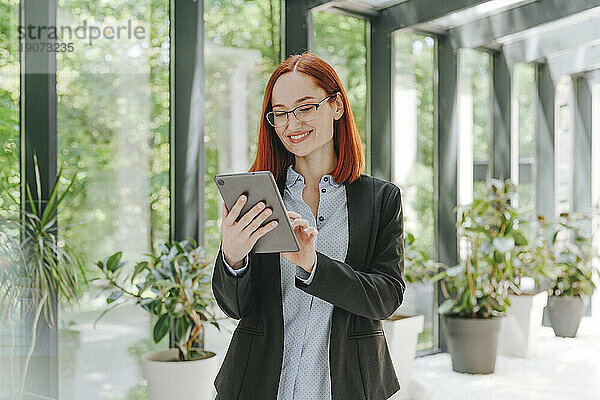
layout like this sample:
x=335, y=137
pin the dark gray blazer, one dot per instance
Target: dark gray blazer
x=365, y=289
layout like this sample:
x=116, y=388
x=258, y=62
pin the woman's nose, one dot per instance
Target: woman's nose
x=293, y=121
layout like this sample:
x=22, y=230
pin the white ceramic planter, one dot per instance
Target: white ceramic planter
x=521, y=326
x=169, y=380
x=402, y=333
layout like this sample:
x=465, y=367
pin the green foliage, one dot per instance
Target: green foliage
x=574, y=255
x=174, y=286
x=44, y=265
x=9, y=108
x=478, y=286
x=418, y=266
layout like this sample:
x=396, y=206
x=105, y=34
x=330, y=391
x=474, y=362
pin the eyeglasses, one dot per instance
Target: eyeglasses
x=304, y=113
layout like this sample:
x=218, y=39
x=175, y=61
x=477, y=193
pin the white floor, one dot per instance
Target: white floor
x=562, y=369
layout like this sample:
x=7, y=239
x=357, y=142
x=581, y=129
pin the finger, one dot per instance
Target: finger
x=258, y=221
x=262, y=231
x=294, y=215
x=312, y=232
x=300, y=222
x=235, y=210
x=251, y=214
x=223, y=211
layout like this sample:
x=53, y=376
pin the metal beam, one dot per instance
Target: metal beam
x=347, y=7
x=554, y=41
x=501, y=120
x=187, y=123
x=446, y=155
x=490, y=29
x=380, y=98
x=544, y=142
x=187, y=120
x=296, y=28
x=581, y=59
x=39, y=139
x=413, y=12
x=593, y=76
x=582, y=149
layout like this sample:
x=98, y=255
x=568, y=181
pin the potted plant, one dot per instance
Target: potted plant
x=40, y=271
x=574, y=257
x=476, y=290
x=523, y=320
x=402, y=329
x=174, y=286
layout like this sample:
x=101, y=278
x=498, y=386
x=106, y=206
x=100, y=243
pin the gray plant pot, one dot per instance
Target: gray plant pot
x=473, y=343
x=565, y=314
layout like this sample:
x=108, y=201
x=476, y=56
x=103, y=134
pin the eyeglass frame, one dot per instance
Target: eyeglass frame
x=287, y=113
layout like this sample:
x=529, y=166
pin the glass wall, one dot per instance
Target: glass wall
x=9, y=105
x=474, y=124
x=341, y=41
x=524, y=87
x=595, y=84
x=113, y=131
x=412, y=169
x=10, y=371
x=563, y=143
x=238, y=63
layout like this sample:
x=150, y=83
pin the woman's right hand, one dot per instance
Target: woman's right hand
x=238, y=238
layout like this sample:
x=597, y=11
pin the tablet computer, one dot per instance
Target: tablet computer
x=260, y=186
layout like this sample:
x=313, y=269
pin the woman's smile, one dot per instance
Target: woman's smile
x=299, y=137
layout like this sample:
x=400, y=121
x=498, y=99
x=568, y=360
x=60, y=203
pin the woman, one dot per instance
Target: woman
x=310, y=325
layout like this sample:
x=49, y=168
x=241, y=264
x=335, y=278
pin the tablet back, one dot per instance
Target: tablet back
x=260, y=186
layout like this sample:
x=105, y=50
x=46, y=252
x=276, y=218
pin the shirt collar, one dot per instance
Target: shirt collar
x=292, y=177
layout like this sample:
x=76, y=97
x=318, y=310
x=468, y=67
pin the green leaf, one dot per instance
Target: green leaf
x=162, y=327
x=445, y=306
x=146, y=303
x=520, y=239
x=112, y=261
x=181, y=326
x=114, y=296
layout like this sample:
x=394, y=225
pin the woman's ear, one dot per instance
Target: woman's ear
x=338, y=106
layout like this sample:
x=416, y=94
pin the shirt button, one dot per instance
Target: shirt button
x=326, y=179
x=323, y=190
x=321, y=218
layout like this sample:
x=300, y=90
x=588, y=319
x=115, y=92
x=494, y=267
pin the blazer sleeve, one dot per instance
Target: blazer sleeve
x=233, y=294
x=377, y=291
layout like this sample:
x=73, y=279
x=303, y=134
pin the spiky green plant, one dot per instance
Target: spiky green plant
x=45, y=269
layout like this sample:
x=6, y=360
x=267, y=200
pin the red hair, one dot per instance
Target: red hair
x=273, y=156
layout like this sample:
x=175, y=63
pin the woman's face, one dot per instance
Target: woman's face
x=293, y=89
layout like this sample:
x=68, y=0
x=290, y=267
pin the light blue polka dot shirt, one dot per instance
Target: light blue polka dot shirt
x=305, y=371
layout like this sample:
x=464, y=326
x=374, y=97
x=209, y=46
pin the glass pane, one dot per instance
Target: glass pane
x=562, y=144
x=413, y=144
x=238, y=63
x=474, y=78
x=241, y=51
x=113, y=130
x=9, y=106
x=10, y=371
x=341, y=41
x=524, y=78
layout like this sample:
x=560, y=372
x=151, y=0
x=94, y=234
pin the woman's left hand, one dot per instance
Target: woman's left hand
x=307, y=237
